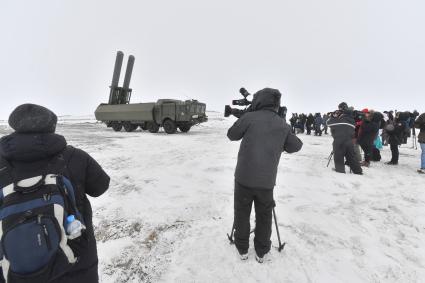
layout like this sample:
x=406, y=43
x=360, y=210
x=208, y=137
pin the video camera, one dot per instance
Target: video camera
x=356, y=114
x=239, y=102
x=248, y=108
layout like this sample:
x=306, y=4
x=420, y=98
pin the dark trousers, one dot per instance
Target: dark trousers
x=345, y=149
x=264, y=203
x=394, y=152
x=308, y=129
x=317, y=131
x=367, y=149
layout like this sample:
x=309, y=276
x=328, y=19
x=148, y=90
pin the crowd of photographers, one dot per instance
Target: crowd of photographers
x=353, y=132
x=265, y=136
x=366, y=130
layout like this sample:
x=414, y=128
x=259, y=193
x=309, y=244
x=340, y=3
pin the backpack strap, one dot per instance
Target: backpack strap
x=6, y=173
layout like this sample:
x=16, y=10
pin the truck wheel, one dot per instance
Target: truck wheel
x=153, y=127
x=170, y=127
x=185, y=128
x=128, y=127
x=117, y=126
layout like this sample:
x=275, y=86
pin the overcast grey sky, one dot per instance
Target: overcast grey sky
x=370, y=53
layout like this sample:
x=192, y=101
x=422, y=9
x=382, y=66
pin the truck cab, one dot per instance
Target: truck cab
x=172, y=114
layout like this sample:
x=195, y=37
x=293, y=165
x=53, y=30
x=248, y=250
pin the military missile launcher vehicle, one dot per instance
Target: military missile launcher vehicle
x=170, y=114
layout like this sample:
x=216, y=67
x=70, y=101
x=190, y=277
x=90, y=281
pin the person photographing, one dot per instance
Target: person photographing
x=342, y=125
x=265, y=135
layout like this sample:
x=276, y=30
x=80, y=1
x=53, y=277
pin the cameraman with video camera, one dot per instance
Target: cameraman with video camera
x=265, y=135
x=342, y=126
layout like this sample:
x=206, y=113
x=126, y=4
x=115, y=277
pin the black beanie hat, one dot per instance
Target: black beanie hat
x=343, y=106
x=32, y=118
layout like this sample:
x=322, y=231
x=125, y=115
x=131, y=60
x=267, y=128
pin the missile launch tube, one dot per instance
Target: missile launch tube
x=117, y=69
x=128, y=72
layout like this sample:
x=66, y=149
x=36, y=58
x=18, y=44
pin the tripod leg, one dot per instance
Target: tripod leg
x=281, y=247
x=330, y=158
x=230, y=237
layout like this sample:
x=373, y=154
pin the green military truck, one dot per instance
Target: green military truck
x=170, y=114
x=167, y=113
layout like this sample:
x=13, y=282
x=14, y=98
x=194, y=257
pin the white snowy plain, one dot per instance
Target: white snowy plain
x=170, y=205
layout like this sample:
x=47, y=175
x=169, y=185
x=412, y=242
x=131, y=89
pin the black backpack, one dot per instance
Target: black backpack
x=33, y=212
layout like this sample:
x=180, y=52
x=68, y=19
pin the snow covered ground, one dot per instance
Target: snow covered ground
x=170, y=205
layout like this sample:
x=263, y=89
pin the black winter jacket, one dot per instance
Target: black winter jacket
x=420, y=124
x=368, y=133
x=28, y=154
x=264, y=136
x=342, y=127
x=395, y=136
x=310, y=120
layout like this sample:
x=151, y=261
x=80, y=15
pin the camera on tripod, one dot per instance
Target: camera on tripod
x=228, y=110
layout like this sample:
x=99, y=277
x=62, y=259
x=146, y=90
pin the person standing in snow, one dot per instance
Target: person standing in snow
x=384, y=134
x=325, y=119
x=309, y=123
x=31, y=149
x=366, y=136
x=342, y=128
x=264, y=136
x=302, y=122
x=395, y=131
x=420, y=124
x=293, y=122
x=318, y=121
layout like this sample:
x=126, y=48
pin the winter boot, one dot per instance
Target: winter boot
x=243, y=255
x=365, y=164
x=263, y=258
x=421, y=171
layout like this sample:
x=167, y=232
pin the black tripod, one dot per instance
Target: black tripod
x=330, y=158
x=281, y=246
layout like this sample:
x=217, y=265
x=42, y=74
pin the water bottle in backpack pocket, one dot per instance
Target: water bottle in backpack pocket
x=74, y=227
